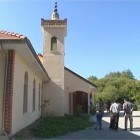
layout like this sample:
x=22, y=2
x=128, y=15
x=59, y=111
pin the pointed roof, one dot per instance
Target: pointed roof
x=80, y=77
x=25, y=49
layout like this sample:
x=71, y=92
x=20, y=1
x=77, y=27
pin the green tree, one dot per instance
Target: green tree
x=117, y=86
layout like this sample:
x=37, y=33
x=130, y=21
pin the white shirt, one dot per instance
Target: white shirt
x=114, y=108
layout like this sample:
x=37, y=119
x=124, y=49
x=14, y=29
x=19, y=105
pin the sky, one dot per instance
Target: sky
x=103, y=36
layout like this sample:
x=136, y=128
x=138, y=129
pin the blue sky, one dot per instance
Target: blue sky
x=103, y=36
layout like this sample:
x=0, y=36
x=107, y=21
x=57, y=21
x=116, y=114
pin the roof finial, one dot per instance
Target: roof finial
x=55, y=15
x=55, y=7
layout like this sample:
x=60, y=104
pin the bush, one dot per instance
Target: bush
x=78, y=110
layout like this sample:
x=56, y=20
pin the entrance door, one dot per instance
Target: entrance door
x=80, y=99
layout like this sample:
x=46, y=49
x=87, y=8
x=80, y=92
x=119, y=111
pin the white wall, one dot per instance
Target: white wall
x=54, y=65
x=59, y=103
x=20, y=120
x=56, y=95
x=2, y=67
x=74, y=83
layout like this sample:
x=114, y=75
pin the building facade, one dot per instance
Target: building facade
x=64, y=86
x=28, y=80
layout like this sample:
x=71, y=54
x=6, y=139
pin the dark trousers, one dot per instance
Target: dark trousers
x=111, y=122
x=114, y=121
x=98, y=124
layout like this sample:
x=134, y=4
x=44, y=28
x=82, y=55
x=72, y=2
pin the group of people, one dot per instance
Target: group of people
x=114, y=111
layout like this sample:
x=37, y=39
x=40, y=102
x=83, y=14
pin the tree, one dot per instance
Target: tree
x=117, y=86
x=92, y=79
x=128, y=74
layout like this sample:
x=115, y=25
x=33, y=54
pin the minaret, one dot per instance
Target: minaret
x=55, y=15
x=54, y=32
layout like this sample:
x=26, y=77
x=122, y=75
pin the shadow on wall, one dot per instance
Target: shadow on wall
x=60, y=103
x=54, y=94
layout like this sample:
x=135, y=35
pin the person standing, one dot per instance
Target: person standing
x=114, y=110
x=99, y=116
x=111, y=120
x=128, y=108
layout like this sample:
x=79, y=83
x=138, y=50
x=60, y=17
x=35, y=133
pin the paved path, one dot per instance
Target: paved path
x=105, y=133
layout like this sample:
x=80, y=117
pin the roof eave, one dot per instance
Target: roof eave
x=36, y=57
x=28, y=43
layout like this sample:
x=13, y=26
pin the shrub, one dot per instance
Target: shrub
x=78, y=110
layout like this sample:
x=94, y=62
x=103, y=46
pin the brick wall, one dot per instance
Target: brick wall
x=9, y=92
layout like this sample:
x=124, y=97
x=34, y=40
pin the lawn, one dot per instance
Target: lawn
x=54, y=126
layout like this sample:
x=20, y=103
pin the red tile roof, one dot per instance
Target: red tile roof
x=39, y=54
x=10, y=35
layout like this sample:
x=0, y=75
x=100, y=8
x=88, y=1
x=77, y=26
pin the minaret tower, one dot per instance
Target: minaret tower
x=54, y=31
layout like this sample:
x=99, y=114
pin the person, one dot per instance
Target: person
x=114, y=111
x=108, y=105
x=99, y=116
x=111, y=118
x=128, y=109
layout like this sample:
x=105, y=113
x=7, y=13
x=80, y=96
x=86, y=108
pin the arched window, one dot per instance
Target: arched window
x=25, y=93
x=34, y=92
x=39, y=98
x=53, y=44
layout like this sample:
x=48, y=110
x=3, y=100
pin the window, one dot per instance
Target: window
x=53, y=44
x=25, y=93
x=34, y=92
x=39, y=97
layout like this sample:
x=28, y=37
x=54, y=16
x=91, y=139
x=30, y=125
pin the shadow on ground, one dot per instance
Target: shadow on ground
x=105, y=133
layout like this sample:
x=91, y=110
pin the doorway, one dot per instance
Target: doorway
x=80, y=100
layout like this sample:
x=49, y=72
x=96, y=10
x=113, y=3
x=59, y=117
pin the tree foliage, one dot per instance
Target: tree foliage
x=117, y=86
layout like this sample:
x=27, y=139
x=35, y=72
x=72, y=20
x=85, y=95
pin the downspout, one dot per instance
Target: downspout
x=5, y=77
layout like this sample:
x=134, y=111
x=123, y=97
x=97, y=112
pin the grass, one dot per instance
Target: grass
x=55, y=126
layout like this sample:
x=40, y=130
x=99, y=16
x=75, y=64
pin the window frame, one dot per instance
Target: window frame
x=54, y=44
x=34, y=94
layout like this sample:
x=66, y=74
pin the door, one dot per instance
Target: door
x=80, y=100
